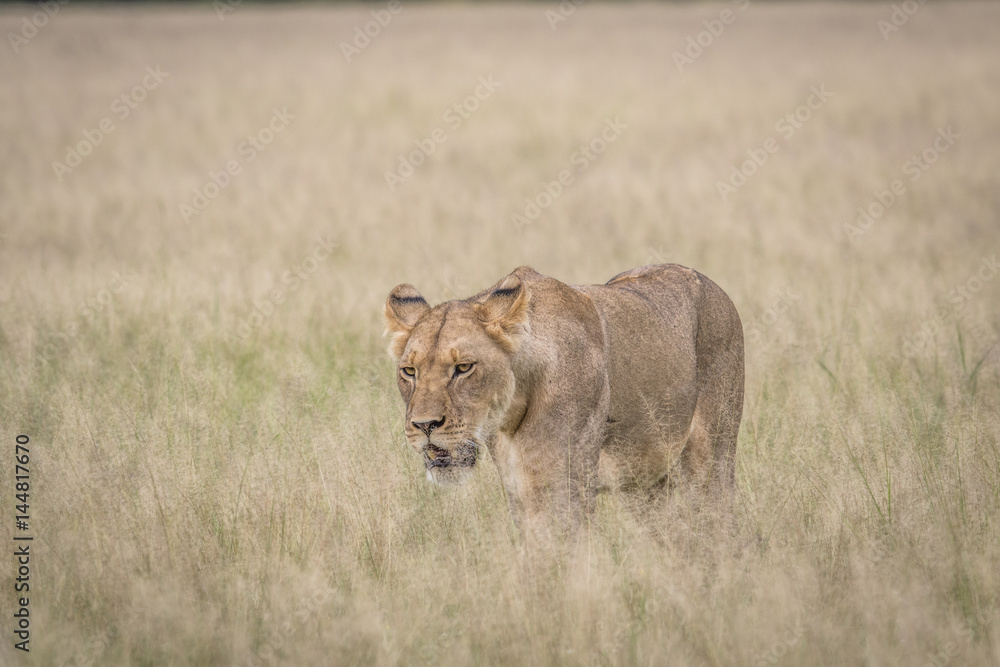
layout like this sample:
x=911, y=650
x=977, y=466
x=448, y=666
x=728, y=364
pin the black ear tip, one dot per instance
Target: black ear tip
x=409, y=299
x=506, y=291
x=404, y=307
x=406, y=293
x=510, y=286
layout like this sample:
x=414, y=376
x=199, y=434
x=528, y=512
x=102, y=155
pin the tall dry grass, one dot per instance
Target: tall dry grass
x=211, y=486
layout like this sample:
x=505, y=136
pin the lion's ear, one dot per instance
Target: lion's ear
x=504, y=311
x=402, y=310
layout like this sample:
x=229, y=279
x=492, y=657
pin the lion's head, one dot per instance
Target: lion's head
x=454, y=369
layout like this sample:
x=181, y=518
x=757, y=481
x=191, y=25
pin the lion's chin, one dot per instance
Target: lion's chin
x=450, y=468
x=454, y=475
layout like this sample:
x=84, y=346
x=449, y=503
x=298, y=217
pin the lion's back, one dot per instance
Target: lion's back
x=665, y=326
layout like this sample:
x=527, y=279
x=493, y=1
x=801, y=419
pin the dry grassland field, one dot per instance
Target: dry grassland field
x=202, y=210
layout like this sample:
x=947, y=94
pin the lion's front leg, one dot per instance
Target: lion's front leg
x=551, y=486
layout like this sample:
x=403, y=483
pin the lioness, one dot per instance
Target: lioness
x=574, y=389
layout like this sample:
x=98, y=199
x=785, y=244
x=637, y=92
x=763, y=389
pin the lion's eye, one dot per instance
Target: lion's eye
x=409, y=371
x=463, y=368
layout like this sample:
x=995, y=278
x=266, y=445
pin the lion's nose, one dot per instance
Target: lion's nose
x=428, y=426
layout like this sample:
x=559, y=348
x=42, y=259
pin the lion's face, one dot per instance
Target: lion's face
x=454, y=373
x=452, y=377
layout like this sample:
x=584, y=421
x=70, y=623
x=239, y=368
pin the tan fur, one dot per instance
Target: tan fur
x=629, y=385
